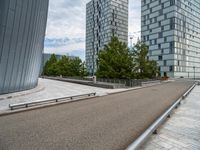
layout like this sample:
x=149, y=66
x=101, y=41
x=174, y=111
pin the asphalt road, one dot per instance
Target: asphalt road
x=102, y=123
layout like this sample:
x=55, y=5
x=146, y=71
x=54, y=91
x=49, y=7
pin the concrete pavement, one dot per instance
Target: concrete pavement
x=109, y=122
x=182, y=130
x=50, y=89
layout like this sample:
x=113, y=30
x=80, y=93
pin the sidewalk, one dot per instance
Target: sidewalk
x=182, y=130
x=51, y=89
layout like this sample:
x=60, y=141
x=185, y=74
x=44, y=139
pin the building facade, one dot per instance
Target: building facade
x=22, y=31
x=171, y=29
x=104, y=19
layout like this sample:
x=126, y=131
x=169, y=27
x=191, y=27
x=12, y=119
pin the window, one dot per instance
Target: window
x=165, y=39
x=172, y=2
x=171, y=68
x=178, y=63
x=159, y=46
x=165, y=16
x=155, y=41
x=147, y=37
x=160, y=57
x=165, y=62
x=159, y=23
x=160, y=12
x=160, y=35
x=155, y=19
x=172, y=23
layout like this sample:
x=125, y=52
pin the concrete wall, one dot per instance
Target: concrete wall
x=22, y=31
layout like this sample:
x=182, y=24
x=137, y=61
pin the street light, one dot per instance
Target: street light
x=131, y=40
x=194, y=72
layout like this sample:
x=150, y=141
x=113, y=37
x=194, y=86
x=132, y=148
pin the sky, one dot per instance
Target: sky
x=65, y=33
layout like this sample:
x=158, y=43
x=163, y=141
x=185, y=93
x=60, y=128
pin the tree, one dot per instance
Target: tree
x=65, y=67
x=75, y=67
x=115, y=61
x=50, y=66
x=83, y=70
x=145, y=68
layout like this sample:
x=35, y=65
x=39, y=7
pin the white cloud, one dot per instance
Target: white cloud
x=66, y=25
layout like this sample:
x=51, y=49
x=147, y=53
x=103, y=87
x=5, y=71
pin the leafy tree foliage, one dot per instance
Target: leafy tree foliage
x=65, y=67
x=145, y=68
x=116, y=60
x=50, y=66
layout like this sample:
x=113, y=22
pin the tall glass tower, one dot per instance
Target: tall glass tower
x=171, y=29
x=104, y=19
x=22, y=31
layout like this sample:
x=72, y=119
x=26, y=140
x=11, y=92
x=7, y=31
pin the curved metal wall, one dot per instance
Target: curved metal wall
x=22, y=31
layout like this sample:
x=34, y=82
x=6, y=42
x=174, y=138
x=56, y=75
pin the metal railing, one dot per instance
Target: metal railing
x=153, y=128
x=125, y=82
x=29, y=104
x=129, y=82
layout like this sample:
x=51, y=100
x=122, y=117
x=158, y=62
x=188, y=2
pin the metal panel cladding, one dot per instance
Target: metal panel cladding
x=22, y=31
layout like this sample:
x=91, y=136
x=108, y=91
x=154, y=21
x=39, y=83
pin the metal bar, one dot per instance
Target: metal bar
x=25, y=105
x=148, y=132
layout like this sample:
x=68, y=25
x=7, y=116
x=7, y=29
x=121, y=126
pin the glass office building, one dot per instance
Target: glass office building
x=171, y=29
x=22, y=31
x=104, y=19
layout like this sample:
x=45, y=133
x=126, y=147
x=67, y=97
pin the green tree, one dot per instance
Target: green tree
x=50, y=66
x=115, y=61
x=63, y=66
x=144, y=68
x=75, y=67
x=83, y=70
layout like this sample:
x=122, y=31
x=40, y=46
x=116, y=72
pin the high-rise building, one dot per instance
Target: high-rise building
x=104, y=19
x=171, y=29
x=22, y=31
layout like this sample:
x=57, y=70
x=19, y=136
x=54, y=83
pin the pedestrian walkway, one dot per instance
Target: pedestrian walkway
x=182, y=130
x=51, y=89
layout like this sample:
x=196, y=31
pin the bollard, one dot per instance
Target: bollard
x=94, y=79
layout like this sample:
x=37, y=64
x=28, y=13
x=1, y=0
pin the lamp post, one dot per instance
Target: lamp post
x=131, y=40
x=194, y=72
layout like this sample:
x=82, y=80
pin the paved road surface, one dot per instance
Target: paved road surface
x=103, y=123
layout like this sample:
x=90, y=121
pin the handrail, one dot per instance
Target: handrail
x=152, y=129
x=28, y=104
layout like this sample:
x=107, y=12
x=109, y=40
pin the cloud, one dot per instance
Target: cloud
x=65, y=33
x=59, y=42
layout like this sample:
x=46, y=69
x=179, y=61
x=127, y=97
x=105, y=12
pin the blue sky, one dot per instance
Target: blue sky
x=65, y=32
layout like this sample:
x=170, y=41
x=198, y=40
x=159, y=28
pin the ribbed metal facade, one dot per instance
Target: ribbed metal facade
x=22, y=31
